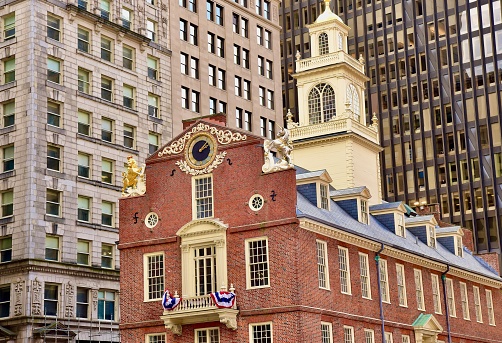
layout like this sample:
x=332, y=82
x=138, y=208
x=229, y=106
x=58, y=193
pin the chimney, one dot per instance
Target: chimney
x=217, y=118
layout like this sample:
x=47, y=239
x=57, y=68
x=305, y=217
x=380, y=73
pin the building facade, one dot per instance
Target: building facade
x=434, y=83
x=84, y=85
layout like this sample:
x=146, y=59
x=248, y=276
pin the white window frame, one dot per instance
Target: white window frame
x=364, y=269
x=419, y=289
x=388, y=337
x=400, y=229
x=150, y=336
x=364, y=215
x=459, y=250
x=207, y=330
x=401, y=285
x=58, y=248
x=195, y=213
x=251, y=331
x=323, y=196
x=477, y=304
x=348, y=334
x=328, y=329
x=464, y=301
x=248, y=264
x=344, y=266
x=85, y=253
x=436, y=297
x=51, y=19
x=147, y=277
x=104, y=257
x=369, y=336
x=489, y=306
x=450, y=296
x=322, y=264
x=384, y=279
x=406, y=339
x=431, y=236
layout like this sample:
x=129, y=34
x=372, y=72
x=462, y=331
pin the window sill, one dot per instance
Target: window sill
x=98, y=184
x=9, y=85
x=111, y=145
x=55, y=129
x=96, y=226
x=109, y=103
x=153, y=81
x=54, y=219
x=54, y=173
x=8, y=42
x=55, y=42
x=7, y=129
x=55, y=85
x=155, y=120
x=7, y=174
x=7, y=220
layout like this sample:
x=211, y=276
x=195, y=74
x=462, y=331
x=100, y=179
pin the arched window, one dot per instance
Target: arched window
x=323, y=43
x=353, y=99
x=321, y=103
x=340, y=41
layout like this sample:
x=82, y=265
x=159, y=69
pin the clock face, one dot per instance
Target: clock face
x=201, y=151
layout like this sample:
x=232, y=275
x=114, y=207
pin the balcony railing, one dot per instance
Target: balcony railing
x=328, y=59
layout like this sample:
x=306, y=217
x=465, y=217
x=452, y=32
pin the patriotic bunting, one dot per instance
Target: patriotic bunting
x=223, y=299
x=168, y=302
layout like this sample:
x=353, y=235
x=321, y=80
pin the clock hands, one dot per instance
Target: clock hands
x=203, y=147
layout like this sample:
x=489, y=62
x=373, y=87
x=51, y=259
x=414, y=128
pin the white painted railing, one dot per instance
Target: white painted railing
x=336, y=126
x=202, y=302
x=327, y=59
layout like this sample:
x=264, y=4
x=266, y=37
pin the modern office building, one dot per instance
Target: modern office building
x=435, y=84
x=83, y=87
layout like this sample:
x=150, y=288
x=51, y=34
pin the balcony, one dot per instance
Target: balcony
x=333, y=58
x=199, y=309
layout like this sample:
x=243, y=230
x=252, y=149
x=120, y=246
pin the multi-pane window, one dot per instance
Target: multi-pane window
x=153, y=142
x=259, y=35
x=384, y=281
x=323, y=193
x=261, y=66
x=322, y=264
x=83, y=252
x=205, y=270
x=321, y=103
x=53, y=27
x=211, y=42
x=129, y=136
x=184, y=63
x=127, y=57
x=106, y=48
x=106, y=130
x=401, y=285
x=151, y=29
x=477, y=304
x=266, y=9
x=106, y=171
x=244, y=27
x=348, y=334
x=153, y=66
x=246, y=89
x=7, y=203
x=237, y=54
x=128, y=96
x=263, y=126
x=238, y=117
x=270, y=99
x=53, y=70
x=84, y=78
x=450, y=297
x=269, y=69
x=105, y=9
x=464, y=301
x=84, y=123
x=326, y=332
x=8, y=158
x=432, y=236
x=195, y=101
x=5, y=249
x=154, y=274
x=406, y=339
x=436, y=298
x=489, y=306
x=237, y=87
x=192, y=5
x=235, y=23
x=192, y=39
x=126, y=17
x=364, y=211
x=185, y=97
x=9, y=109
x=83, y=40
x=210, y=10
x=364, y=276
x=107, y=213
x=419, y=289
x=245, y=58
x=161, y=338
x=323, y=44
x=260, y=333
x=211, y=335
x=106, y=256
x=268, y=39
x=258, y=269
x=203, y=195
x=83, y=208
x=212, y=75
x=53, y=203
x=194, y=67
x=106, y=305
x=222, y=107
x=4, y=301
x=53, y=158
x=220, y=47
x=247, y=120
x=400, y=225
x=153, y=106
x=212, y=105
x=106, y=88
x=271, y=129
x=50, y=300
x=52, y=248
x=219, y=15
x=82, y=310
x=221, y=79
x=388, y=337
x=9, y=67
x=343, y=262
x=183, y=30
x=9, y=26
x=53, y=113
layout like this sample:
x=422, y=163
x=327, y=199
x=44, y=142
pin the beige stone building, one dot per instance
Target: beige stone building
x=82, y=88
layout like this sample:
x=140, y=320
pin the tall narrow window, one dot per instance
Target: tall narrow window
x=322, y=264
x=489, y=306
x=204, y=336
x=257, y=263
x=369, y=336
x=364, y=276
x=53, y=70
x=53, y=203
x=83, y=210
x=436, y=298
x=401, y=285
x=205, y=270
x=9, y=109
x=4, y=301
x=153, y=105
x=353, y=99
x=83, y=40
x=450, y=296
x=53, y=158
x=419, y=290
x=126, y=17
x=53, y=113
x=50, y=300
x=477, y=304
x=106, y=256
x=323, y=193
x=150, y=30
x=8, y=158
x=82, y=303
x=323, y=44
x=52, y=248
x=7, y=204
x=107, y=213
x=9, y=26
x=128, y=96
x=154, y=276
x=203, y=196
x=106, y=171
x=127, y=58
x=106, y=130
x=464, y=301
x=326, y=332
x=106, y=305
x=343, y=261
x=105, y=9
x=364, y=212
x=106, y=49
x=84, y=78
x=106, y=89
x=83, y=252
x=348, y=334
x=5, y=249
x=152, y=64
x=321, y=103
x=384, y=283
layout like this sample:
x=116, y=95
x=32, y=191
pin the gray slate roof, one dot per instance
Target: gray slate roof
x=386, y=206
x=347, y=191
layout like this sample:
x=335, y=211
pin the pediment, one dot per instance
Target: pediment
x=202, y=227
x=427, y=322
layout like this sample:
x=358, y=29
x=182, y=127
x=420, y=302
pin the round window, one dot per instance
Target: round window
x=151, y=220
x=256, y=202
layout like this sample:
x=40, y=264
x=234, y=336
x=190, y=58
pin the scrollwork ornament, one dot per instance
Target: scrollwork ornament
x=183, y=165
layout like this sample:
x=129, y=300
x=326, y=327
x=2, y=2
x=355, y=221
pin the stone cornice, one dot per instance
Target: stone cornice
x=399, y=254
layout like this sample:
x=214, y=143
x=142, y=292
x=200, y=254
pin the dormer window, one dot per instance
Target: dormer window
x=400, y=225
x=321, y=103
x=459, y=251
x=323, y=194
x=431, y=237
x=364, y=212
x=323, y=44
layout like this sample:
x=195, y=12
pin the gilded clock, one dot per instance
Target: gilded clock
x=201, y=150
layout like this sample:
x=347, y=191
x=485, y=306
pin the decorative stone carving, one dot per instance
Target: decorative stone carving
x=282, y=144
x=230, y=322
x=36, y=300
x=183, y=165
x=70, y=297
x=223, y=137
x=163, y=7
x=374, y=121
x=94, y=296
x=18, y=297
x=175, y=328
x=134, y=179
x=289, y=120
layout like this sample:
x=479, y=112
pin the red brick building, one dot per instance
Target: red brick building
x=307, y=263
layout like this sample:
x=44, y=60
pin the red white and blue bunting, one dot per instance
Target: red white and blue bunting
x=223, y=299
x=168, y=302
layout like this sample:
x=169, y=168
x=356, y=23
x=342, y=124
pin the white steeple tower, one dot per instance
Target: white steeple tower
x=332, y=133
